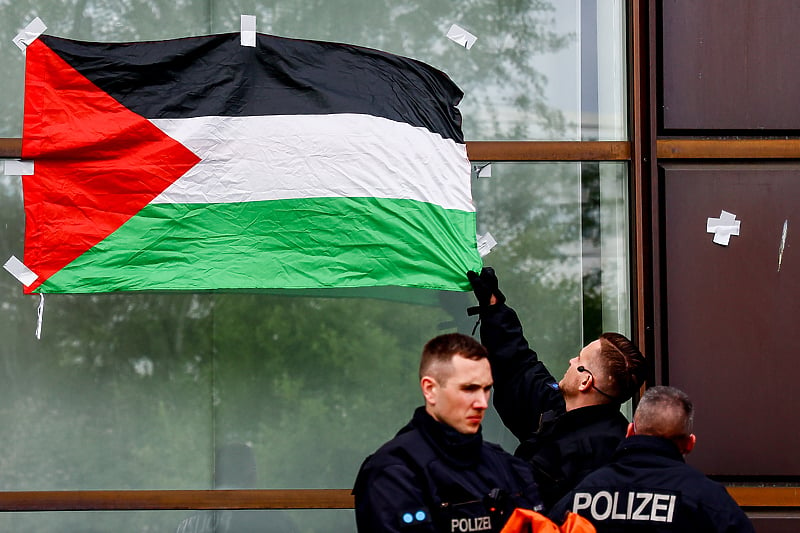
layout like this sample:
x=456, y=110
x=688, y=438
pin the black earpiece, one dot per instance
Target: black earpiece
x=584, y=369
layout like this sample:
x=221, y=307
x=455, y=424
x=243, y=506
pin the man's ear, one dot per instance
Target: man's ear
x=586, y=383
x=631, y=430
x=429, y=388
x=688, y=444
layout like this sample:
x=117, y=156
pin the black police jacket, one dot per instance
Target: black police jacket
x=562, y=446
x=430, y=478
x=648, y=487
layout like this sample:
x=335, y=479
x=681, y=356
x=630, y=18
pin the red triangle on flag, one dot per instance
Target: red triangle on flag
x=96, y=163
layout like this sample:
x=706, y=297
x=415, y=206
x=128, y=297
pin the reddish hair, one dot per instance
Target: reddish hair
x=625, y=366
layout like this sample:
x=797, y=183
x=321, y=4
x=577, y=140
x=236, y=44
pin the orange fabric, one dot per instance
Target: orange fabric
x=575, y=523
x=527, y=521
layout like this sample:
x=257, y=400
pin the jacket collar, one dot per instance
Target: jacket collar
x=580, y=417
x=650, y=445
x=455, y=447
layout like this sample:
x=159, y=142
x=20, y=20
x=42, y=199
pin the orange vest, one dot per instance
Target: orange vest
x=527, y=521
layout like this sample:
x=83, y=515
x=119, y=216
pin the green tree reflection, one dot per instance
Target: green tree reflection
x=134, y=391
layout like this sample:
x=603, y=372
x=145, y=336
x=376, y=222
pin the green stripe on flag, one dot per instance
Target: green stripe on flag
x=284, y=244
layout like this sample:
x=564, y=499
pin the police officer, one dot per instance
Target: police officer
x=438, y=474
x=566, y=429
x=648, y=486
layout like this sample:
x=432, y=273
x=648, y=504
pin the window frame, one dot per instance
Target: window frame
x=641, y=152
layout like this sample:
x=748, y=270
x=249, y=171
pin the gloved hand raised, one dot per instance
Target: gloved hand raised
x=485, y=287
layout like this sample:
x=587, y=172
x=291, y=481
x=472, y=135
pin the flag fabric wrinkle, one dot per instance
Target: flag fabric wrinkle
x=199, y=164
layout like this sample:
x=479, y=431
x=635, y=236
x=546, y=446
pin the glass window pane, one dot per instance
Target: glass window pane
x=562, y=254
x=138, y=391
x=562, y=230
x=539, y=70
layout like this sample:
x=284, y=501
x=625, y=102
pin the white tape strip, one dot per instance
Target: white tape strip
x=459, y=35
x=39, y=316
x=248, y=30
x=31, y=32
x=17, y=269
x=783, y=243
x=481, y=170
x=15, y=167
x=723, y=227
x=486, y=244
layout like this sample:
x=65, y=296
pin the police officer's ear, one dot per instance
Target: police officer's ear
x=586, y=381
x=686, y=444
x=631, y=430
x=429, y=388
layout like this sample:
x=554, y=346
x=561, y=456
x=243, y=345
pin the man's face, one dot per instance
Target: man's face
x=461, y=398
x=588, y=357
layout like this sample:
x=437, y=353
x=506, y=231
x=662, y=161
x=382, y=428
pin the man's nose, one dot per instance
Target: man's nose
x=481, y=402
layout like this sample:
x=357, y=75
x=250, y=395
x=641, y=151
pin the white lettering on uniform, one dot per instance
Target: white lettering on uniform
x=614, y=514
x=671, y=508
x=607, y=497
x=467, y=525
x=657, y=506
x=646, y=497
x=582, y=500
x=640, y=506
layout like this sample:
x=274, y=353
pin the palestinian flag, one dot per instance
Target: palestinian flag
x=201, y=164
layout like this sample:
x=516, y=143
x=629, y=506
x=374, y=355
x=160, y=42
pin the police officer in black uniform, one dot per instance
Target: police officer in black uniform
x=648, y=486
x=568, y=428
x=438, y=474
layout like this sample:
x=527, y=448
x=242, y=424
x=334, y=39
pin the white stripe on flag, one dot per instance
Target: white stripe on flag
x=247, y=159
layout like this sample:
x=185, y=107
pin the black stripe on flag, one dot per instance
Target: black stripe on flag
x=215, y=76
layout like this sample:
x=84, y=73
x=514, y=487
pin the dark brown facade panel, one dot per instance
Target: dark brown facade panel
x=731, y=312
x=774, y=522
x=730, y=65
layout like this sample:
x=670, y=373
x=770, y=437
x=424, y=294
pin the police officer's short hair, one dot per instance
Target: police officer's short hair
x=664, y=412
x=625, y=366
x=441, y=349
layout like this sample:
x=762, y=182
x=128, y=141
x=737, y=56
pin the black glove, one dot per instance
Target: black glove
x=485, y=286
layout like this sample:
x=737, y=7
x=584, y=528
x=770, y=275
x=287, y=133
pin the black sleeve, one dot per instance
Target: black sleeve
x=558, y=512
x=524, y=388
x=389, y=499
x=726, y=515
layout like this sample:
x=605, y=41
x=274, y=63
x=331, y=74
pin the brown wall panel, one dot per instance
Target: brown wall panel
x=732, y=330
x=729, y=65
x=775, y=522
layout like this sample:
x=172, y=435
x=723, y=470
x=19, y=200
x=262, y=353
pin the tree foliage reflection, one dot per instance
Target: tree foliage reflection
x=135, y=391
